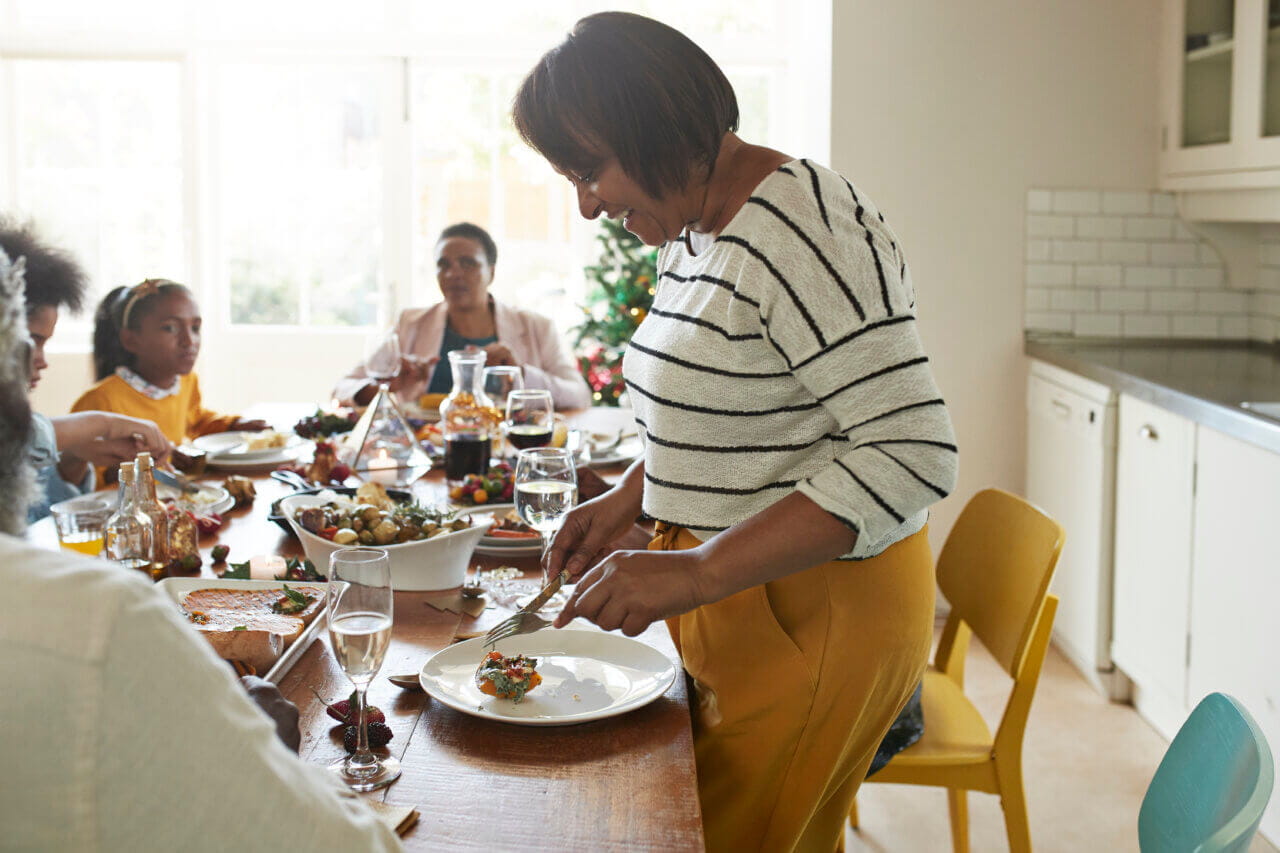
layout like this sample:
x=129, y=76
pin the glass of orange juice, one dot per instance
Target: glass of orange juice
x=80, y=522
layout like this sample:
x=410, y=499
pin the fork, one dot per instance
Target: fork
x=526, y=620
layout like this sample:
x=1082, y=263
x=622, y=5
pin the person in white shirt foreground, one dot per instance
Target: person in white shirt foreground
x=122, y=730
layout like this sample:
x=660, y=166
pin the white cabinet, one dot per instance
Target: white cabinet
x=1154, y=473
x=1236, y=584
x=1220, y=95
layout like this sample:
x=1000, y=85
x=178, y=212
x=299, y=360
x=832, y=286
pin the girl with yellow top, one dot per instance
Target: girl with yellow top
x=794, y=435
x=145, y=342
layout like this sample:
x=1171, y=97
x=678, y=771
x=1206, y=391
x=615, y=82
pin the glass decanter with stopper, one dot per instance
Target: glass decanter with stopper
x=128, y=533
x=468, y=420
x=151, y=506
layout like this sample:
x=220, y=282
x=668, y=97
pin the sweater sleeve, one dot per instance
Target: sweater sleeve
x=837, y=303
x=202, y=421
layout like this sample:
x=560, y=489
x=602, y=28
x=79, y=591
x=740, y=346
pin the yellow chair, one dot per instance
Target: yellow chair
x=995, y=570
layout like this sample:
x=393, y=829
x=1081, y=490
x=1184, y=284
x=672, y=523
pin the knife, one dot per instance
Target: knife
x=182, y=484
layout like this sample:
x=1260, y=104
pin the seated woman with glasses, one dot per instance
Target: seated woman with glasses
x=469, y=316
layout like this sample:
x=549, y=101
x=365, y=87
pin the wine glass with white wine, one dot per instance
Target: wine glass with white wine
x=546, y=489
x=360, y=611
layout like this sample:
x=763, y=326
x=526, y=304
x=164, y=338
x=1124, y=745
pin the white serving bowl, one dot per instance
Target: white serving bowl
x=427, y=564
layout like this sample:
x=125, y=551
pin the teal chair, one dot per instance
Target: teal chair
x=1212, y=785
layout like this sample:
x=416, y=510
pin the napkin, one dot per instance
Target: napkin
x=454, y=602
x=400, y=819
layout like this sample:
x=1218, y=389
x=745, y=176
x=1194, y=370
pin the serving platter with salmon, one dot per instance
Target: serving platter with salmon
x=261, y=627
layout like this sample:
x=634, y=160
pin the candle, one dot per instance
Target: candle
x=382, y=468
x=265, y=567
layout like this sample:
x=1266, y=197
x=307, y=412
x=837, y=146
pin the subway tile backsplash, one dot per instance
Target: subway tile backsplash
x=1103, y=263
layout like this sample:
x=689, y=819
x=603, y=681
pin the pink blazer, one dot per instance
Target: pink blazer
x=531, y=338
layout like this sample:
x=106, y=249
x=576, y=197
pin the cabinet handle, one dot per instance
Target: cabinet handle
x=1061, y=408
x=1148, y=431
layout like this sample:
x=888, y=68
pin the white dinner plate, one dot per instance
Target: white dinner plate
x=209, y=499
x=279, y=456
x=177, y=589
x=586, y=675
x=626, y=451
x=495, y=546
x=228, y=447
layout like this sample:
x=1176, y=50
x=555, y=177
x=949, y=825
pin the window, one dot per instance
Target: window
x=97, y=161
x=293, y=161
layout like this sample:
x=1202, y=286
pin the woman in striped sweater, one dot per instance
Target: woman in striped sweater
x=794, y=435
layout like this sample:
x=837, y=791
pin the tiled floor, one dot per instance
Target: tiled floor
x=1087, y=763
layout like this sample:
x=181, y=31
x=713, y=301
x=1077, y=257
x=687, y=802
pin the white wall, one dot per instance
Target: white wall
x=946, y=114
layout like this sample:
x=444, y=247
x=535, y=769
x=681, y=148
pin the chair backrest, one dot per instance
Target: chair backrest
x=995, y=569
x=1212, y=785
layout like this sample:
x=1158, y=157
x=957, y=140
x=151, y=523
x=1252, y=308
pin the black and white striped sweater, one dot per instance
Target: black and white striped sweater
x=786, y=357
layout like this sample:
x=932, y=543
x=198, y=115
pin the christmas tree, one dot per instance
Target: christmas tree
x=618, y=299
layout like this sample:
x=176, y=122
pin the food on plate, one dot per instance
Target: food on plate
x=375, y=494
x=347, y=522
x=495, y=486
x=252, y=625
x=430, y=433
x=241, y=489
x=507, y=678
x=267, y=439
x=509, y=526
x=219, y=553
x=189, y=460
x=325, y=424
x=431, y=401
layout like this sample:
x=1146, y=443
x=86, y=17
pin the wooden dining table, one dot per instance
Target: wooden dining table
x=623, y=783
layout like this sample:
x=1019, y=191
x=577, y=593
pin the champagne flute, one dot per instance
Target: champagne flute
x=546, y=489
x=359, y=611
x=530, y=418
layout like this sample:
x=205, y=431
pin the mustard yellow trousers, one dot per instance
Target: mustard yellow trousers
x=796, y=682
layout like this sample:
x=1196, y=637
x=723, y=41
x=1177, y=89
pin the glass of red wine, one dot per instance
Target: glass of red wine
x=530, y=418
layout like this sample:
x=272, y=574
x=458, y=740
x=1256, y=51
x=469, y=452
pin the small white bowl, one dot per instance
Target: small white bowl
x=427, y=564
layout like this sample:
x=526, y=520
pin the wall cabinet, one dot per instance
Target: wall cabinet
x=1154, y=482
x=1220, y=93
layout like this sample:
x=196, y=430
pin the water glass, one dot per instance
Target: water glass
x=546, y=489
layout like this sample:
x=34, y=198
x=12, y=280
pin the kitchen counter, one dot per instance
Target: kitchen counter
x=1203, y=381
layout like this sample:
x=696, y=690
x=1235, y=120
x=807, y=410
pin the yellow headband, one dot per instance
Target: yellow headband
x=139, y=292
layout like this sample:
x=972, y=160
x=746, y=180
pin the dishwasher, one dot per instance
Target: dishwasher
x=1071, y=475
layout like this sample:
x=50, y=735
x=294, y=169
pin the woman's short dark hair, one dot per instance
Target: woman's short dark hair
x=123, y=308
x=630, y=86
x=53, y=276
x=473, y=232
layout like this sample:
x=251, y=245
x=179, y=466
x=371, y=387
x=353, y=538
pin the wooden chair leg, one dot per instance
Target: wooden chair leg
x=958, y=806
x=853, y=813
x=1014, y=803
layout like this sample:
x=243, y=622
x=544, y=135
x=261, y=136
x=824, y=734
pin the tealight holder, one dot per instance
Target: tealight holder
x=382, y=447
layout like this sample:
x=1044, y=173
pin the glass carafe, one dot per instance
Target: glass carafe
x=468, y=420
x=128, y=535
